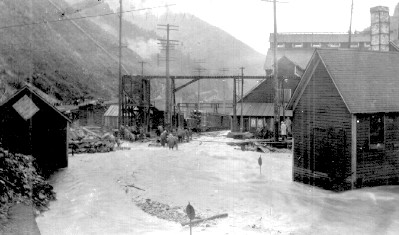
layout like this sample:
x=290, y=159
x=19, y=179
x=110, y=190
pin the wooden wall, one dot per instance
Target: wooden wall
x=44, y=135
x=322, y=133
x=377, y=167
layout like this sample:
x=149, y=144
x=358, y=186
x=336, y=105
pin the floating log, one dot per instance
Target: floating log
x=132, y=185
x=196, y=221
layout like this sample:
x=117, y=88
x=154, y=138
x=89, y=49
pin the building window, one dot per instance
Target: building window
x=260, y=123
x=377, y=131
x=280, y=45
x=334, y=44
x=316, y=45
x=297, y=45
x=366, y=44
x=355, y=45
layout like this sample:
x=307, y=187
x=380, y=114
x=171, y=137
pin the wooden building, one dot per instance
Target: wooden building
x=110, y=119
x=346, y=120
x=31, y=125
x=258, y=103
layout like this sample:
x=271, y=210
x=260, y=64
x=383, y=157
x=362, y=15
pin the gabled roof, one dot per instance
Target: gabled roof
x=112, y=111
x=50, y=99
x=299, y=57
x=259, y=110
x=319, y=37
x=368, y=81
x=29, y=89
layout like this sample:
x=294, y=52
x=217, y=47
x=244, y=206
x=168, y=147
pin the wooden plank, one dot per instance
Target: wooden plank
x=354, y=152
x=196, y=221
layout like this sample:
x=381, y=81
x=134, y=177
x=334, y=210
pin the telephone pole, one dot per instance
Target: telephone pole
x=234, y=126
x=223, y=70
x=168, y=95
x=350, y=27
x=242, y=96
x=199, y=69
x=120, y=68
x=275, y=73
x=275, y=77
x=142, y=67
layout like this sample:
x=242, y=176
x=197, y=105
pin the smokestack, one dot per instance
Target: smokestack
x=380, y=28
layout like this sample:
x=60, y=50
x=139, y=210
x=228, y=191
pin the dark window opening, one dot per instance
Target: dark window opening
x=377, y=131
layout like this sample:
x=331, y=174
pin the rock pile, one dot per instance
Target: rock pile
x=20, y=182
x=162, y=211
x=82, y=140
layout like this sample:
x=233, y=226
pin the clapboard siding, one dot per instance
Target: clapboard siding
x=377, y=167
x=320, y=111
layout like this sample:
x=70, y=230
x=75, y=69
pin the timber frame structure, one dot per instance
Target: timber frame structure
x=135, y=96
x=135, y=102
x=194, y=79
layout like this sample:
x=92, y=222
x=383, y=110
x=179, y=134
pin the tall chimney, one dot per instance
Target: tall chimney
x=380, y=28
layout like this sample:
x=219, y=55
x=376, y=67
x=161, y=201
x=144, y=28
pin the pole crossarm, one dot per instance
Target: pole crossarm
x=206, y=77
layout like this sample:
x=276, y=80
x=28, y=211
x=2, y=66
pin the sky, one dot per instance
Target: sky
x=251, y=21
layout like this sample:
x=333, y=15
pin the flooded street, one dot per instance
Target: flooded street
x=97, y=194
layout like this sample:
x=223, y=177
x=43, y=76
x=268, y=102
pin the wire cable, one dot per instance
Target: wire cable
x=81, y=17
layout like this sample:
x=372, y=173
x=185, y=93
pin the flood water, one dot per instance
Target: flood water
x=216, y=178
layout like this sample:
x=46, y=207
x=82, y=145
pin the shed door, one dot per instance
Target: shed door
x=328, y=150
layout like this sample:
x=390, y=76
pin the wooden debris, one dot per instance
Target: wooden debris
x=133, y=186
x=196, y=221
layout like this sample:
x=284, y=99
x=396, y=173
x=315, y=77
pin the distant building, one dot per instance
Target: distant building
x=30, y=125
x=258, y=103
x=110, y=117
x=346, y=120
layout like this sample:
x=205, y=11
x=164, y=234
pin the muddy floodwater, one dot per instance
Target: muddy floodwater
x=144, y=190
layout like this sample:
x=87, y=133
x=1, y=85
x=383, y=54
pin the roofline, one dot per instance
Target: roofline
x=336, y=87
x=393, y=44
x=41, y=98
x=290, y=61
x=292, y=103
x=249, y=92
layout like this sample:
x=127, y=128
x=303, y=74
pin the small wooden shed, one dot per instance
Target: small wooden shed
x=346, y=120
x=30, y=125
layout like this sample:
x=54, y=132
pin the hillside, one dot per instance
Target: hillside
x=70, y=59
x=61, y=58
x=198, y=42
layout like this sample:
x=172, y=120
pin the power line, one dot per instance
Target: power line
x=81, y=17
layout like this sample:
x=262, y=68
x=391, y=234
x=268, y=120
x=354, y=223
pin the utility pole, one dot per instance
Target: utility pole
x=234, y=126
x=199, y=69
x=350, y=27
x=275, y=78
x=168, y=95
x=275, y=74
x=120, y=68
x=142, y=67
x=223, y=70
x=242, y=96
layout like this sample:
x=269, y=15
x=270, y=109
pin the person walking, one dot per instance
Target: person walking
x=289, y=126
x=283, y=131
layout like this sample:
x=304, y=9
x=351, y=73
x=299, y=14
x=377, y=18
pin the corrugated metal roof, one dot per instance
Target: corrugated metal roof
x=259, y=110
x=319, y=37
x=368, y=81
x=112, y=111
